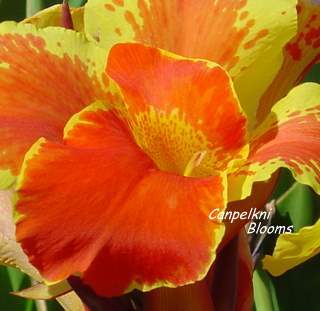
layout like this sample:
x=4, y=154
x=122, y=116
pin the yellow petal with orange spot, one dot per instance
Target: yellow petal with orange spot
x=293, y=249
x=300, y=54
x=289, y=137
x=246, y=37
x=46, y=75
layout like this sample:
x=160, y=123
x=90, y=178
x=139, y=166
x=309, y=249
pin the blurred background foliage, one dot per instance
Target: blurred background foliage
x=296, y=290
x=18, y=9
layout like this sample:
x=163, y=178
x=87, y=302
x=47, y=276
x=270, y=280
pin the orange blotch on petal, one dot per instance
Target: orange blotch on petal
x=300, y=54
x=202, y=39
x=118, y=31
x=261, y=34
x=294, y=50
x=39, y=91
x=118, y=2
x=110, y=7
x=244, y=15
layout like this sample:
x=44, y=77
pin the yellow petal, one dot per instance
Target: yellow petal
x=293, y=249
x=300, y=54
x=289, y=137
x=52, y=17
x=244, y=36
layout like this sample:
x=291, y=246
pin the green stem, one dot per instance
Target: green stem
x=264, y=293
x=41, y=305
x=287, y=193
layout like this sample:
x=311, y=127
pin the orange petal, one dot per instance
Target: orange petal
x=178, y=108
x=166, y=239
x=45, y=77
x=300, y=54
x=95, y=204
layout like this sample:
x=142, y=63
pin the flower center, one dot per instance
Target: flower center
x=174, y=144
x=194, y=162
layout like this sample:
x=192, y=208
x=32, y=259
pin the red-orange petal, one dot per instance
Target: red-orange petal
x=192, y=99
x=62, y=230
x=45, y=77
x=95, y=204
x=167, y=239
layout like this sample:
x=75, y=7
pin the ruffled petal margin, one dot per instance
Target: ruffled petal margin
x=97, y=206
x=179, y=106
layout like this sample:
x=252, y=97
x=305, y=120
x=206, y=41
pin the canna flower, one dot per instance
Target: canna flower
x=136, y=152
x=265, y=56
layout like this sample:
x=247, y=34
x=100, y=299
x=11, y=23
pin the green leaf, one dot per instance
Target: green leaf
x=16, y=278
x=9, y=302
x=29, y=305
x=300, y=206
x=264, y=293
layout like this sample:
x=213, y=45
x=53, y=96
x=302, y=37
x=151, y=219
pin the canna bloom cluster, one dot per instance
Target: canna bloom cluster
x=120, y=141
